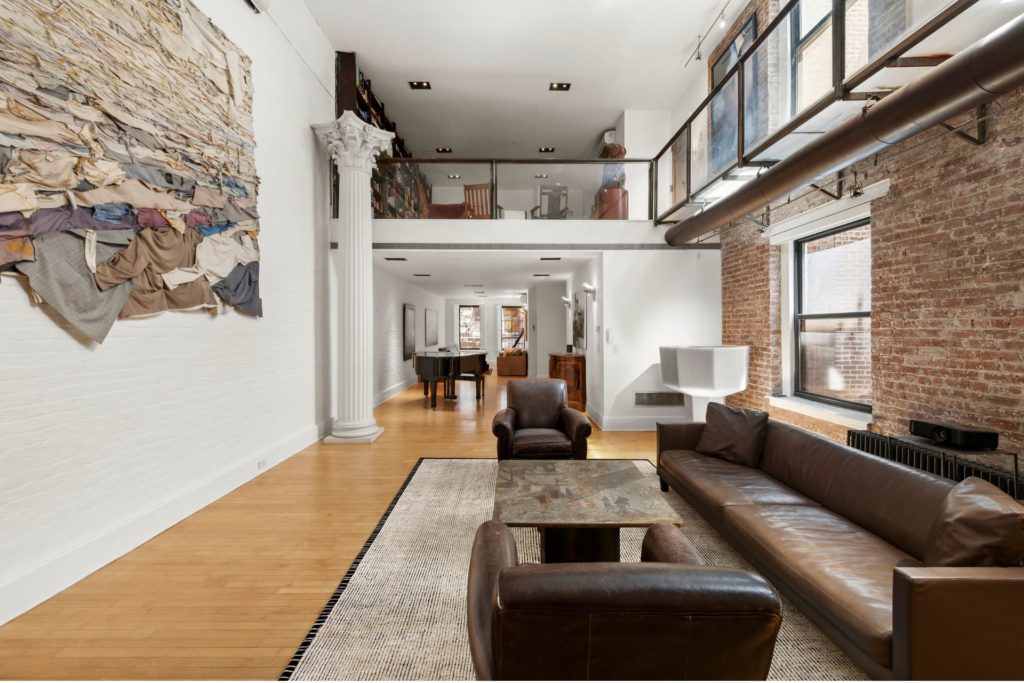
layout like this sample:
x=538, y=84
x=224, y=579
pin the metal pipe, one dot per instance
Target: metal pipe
x=991, y=67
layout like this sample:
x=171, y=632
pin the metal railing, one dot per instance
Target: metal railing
x=727, y=140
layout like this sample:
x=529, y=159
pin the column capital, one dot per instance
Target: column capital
x=352, y=142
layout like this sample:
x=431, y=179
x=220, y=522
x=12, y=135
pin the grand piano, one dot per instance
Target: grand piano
x=447, y=367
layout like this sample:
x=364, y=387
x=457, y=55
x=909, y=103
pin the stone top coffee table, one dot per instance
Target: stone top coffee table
x=579, y=505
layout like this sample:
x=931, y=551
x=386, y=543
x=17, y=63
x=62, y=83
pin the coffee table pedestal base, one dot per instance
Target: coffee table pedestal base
x=558, y=544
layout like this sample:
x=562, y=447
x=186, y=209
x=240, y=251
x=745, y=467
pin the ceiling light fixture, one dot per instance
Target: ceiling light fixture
x=419, y=85
x=542, y=274
x=454, y=176
x=545, y=150
x=540, y=176
x=443, y=150
x=395, y=258
x=472, y=285
x=721, y=20
x=550, y=258
x=559, y=87
x=421, y=274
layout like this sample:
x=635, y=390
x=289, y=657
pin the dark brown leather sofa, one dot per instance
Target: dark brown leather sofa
x=538, y=424
x=844, y=535
x=664, y=618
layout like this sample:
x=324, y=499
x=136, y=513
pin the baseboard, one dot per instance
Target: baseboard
x=394, y=390
x=52, y=574
x=637, y=423
x=596, y=416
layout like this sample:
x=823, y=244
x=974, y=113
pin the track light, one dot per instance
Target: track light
x=721, y=20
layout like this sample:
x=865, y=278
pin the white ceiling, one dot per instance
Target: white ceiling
x=502, y=273
x=490, y=64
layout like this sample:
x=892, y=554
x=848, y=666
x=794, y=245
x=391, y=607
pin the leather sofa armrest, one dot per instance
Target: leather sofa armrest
x=494, y=550
x=504, y=427
x=634, y=620
x=577, y=427
x=681, y=436
x=958, y=622
x=666, y=543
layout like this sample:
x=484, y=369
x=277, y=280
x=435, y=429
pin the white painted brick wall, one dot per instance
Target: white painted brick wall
x=103, y=446
x=391, y=373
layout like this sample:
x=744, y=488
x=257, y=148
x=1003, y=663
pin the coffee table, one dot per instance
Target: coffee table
x=579, y=505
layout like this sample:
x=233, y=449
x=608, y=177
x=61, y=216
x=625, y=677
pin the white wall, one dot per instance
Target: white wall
x=490, y=321
x=643, y=133
x=392, y=374
x=547, y=324
x=649, y=299
x=106, y=446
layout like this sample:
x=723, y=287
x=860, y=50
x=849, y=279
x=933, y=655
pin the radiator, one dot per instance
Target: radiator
x=938, y=462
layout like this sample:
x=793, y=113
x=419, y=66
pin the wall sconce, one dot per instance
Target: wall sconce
x=589, y=289
x=567, y=302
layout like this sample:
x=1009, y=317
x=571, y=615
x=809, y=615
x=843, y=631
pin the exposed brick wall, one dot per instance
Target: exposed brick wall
x=947, y=278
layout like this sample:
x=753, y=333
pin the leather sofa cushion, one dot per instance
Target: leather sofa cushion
x=715, y=483
x=537, y=402
x=843, y=570
x=977, y=526
x=733, y=434
x=539, y=442
x=895, y=502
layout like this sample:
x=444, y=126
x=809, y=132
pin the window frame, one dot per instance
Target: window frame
x=480, y=327
x=797, y=46
x=749, y=25
x=799, y=317
x=501, y=327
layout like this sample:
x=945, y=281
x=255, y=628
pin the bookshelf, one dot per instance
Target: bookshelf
x=399, y=190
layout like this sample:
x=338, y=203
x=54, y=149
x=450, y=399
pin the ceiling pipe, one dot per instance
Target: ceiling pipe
x=991, y=67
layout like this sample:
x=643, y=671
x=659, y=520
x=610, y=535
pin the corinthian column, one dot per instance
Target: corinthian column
x=354, y=146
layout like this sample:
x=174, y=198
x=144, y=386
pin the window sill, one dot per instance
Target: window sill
x=851, y=419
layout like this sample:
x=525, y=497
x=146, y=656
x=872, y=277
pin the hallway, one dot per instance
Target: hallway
x=231, y=591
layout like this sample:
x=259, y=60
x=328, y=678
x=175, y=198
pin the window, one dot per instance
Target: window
x=811, y=61
x=513, y=327
x=833, y=317
x=469, y=327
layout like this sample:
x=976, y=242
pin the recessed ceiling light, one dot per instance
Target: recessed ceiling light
x=550, y=258
x=472, y=286
x=443, y=150
x=481, y=292
x=395, y=258
x=421, y=274
x=419, y=85
x=545, y=150
x=542, y=274
x=560, y=87
x=540, y=176
x=454, y=176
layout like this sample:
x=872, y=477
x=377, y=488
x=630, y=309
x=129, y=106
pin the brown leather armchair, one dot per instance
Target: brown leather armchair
x=667, y=617
x=538, y=424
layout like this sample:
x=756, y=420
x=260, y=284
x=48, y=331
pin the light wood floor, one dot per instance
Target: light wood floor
x=231, y=591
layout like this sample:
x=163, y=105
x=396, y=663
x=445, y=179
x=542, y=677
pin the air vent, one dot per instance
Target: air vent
x=658, y=398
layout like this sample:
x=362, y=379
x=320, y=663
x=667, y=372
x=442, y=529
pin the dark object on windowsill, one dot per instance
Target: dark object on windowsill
x=956, y=437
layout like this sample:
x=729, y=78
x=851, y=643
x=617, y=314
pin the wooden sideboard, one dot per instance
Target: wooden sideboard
x=572, y=367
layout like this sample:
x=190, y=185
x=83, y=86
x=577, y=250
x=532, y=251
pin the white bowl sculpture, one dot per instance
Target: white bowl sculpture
x=704, y=374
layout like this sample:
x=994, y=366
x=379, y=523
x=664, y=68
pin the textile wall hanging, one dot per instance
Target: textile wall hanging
x=127, y=173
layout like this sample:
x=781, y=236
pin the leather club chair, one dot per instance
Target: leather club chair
x=666, y=617
x=538, y=424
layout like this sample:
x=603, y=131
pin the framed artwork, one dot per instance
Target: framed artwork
x=409, y=343
x=430, y=327
x=579, y=320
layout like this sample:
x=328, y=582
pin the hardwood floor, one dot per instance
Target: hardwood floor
x=230, y=592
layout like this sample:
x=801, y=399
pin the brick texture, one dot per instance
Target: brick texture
x=947, y=340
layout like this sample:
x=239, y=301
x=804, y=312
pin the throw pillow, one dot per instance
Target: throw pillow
x=978, y=526
x=733, y=434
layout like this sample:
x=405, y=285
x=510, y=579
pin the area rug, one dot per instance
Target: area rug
x=400, y=611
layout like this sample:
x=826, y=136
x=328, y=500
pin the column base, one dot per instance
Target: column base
x=361, y=437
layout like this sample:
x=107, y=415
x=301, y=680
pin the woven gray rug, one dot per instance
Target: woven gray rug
x=400, y=612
